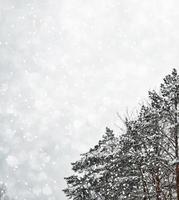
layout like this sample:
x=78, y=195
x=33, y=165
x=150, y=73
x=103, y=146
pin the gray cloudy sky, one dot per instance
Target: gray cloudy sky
x=66, y=68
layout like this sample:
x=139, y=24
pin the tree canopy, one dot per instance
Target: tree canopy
x=143, y=162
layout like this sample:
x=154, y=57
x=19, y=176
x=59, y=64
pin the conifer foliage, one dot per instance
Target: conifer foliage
x=143, y=163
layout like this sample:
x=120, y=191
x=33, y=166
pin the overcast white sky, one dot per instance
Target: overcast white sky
x=66, y=68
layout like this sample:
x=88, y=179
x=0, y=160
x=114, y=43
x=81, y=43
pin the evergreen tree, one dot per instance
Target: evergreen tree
x=166, y=103
x=143, y=163
x=91, y=180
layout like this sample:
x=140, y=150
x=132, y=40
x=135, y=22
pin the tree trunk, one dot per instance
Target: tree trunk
x=158, y=190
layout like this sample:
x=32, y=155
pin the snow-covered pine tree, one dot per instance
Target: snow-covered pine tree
x=91, y=179
x=123, y=167
x=166, y=103
x=139, y=142
x=153, y=144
